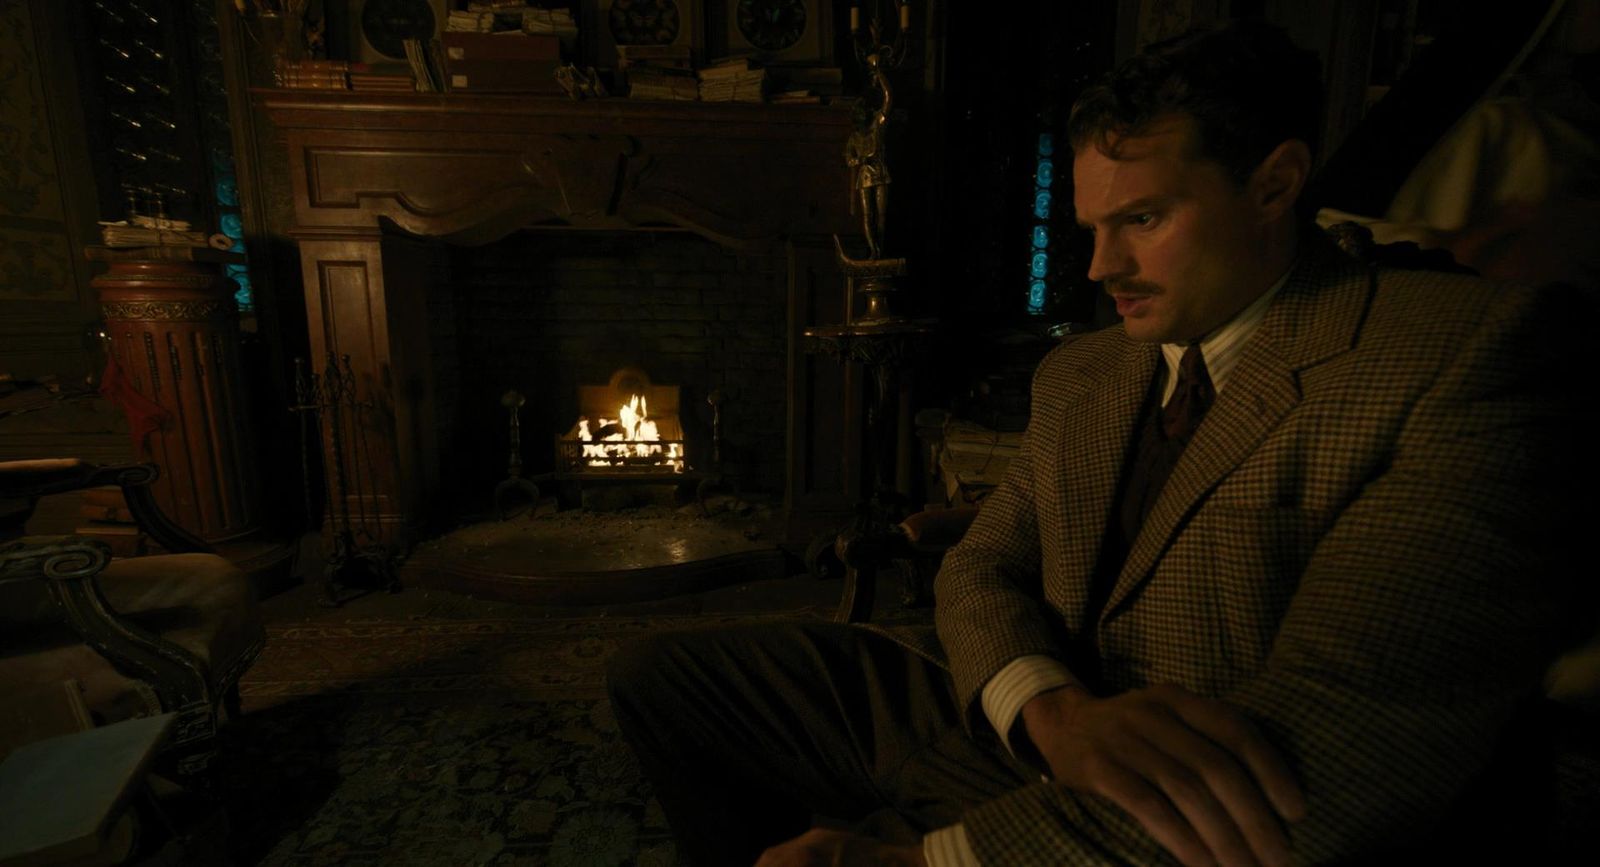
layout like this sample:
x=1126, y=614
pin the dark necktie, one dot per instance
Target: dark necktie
x=1161, y=439
x=1190, y=399
x=1160, y=436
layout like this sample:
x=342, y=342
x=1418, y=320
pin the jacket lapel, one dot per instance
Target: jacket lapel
x=1098, y=431
x=1314, y=317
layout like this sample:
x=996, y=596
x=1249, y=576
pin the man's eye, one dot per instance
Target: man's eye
x=1141, y=219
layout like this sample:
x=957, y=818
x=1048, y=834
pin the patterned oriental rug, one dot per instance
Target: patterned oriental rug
x=442, y=742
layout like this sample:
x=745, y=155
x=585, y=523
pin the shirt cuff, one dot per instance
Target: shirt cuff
x=948, y=847
x=1017, y=683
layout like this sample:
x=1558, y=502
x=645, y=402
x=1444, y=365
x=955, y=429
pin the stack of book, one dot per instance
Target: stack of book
x=313, y=74
x=511, y=62
x=737, y=79
x=504, y=17
x=551, y=22
x=382, y=82
x=151, y=232
x=652, y=83
x=461, y=21
x=658, y=72
x=106, y=519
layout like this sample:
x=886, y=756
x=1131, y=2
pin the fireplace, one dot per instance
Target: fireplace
x=569, y=318
x=408, y=229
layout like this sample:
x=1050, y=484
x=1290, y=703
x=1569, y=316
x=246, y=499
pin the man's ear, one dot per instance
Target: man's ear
x=1277, y=182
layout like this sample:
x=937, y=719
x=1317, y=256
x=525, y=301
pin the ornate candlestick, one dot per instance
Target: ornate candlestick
x=867, y=154
x=882, y=341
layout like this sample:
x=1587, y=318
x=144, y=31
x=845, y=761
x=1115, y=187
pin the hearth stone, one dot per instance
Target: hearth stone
x=582, y=557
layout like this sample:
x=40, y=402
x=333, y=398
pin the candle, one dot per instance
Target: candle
x=855, y=18
x=905, y=16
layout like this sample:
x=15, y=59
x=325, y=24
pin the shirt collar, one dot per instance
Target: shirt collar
x=1222, y=348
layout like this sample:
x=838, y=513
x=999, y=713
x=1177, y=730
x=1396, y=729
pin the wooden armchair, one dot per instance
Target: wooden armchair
x=141, y=636
x=919, y=540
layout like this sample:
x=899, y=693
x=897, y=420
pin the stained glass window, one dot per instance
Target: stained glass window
x=1039, y=254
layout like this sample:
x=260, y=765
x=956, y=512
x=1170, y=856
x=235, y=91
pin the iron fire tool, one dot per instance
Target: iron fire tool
x=357, y=550
x=513, y=401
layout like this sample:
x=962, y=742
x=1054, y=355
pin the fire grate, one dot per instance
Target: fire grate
x=579, y=457
x=636, y=438
x=635, y=429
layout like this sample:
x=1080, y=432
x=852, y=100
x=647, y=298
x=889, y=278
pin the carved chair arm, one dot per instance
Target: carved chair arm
x=69, y=568
x=863, y=552
x=30, y=480
x=937, y=530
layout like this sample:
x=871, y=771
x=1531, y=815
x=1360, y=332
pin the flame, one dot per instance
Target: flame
x=638, y=437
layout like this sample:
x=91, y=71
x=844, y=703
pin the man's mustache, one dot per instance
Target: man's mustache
x=1131, y=287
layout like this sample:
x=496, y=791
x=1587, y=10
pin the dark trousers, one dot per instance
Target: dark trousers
x=747, y=733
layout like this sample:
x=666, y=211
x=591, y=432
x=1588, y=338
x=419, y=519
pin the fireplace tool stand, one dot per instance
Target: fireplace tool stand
x=354, y=549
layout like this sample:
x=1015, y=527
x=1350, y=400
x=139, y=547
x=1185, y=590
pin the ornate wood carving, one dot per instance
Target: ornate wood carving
x=476, y=168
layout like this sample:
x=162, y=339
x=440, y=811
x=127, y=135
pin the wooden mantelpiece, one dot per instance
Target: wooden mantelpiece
x=470, y=169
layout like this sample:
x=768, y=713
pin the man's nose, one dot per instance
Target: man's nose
x=1110, y=259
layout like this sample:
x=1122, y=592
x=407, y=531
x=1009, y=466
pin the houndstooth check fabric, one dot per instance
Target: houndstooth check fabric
x=1355, y=549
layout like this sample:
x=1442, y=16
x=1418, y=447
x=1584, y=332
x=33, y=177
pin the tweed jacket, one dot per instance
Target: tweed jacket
x=1354, y=550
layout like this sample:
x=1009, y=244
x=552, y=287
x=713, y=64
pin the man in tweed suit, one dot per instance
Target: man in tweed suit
x=1272, y=572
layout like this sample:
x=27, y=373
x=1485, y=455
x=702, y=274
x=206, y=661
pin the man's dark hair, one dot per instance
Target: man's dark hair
x=1248, y=87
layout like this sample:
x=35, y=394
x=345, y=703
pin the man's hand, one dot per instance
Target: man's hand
x=1194, y=772
x=822, y=847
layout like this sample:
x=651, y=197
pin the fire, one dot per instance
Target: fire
x=631, y=435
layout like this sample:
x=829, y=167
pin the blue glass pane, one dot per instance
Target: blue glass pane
x=1036, y=293
x=235, y=271
x=1047, y=144
x=244, y=297
x=238, y=246
x=1045, y=174
x=1041, y=237
x=1041, y=265
x=232, y=226
x=228, y=192
x=1041, y=204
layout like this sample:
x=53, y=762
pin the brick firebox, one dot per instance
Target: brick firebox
x=543, y=312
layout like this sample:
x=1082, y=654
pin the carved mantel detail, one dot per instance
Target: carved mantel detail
x=470, y=169
x=475, y=168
